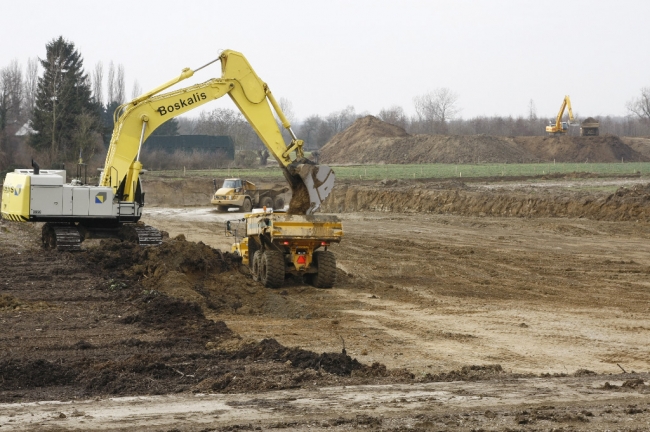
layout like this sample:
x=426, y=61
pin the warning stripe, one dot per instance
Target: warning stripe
x=14, y=217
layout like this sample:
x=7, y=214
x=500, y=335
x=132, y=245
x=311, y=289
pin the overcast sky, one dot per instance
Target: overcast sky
x=326, y=55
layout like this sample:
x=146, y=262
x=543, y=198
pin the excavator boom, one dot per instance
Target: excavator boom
x=136, y=120
x=557, y=127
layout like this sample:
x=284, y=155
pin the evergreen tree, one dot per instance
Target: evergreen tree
x=64, y=114
x=170, y=127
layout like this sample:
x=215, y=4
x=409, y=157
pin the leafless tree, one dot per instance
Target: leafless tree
x=394, y=115
x=435, y=108
x=98, y=83
x=31, y=85
x=225, y=121
x=641, y=107
x=11, y=90
x=532, y=110
x=340, y=120
x=84, y=136
x=120, y=85
x=110, y=83
x=137, y=90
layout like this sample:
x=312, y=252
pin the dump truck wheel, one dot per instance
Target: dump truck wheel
x=267, y=202
x=326, y=265
x=248, y=205
x=279, y=204
x=272, y=269
x=255, y=268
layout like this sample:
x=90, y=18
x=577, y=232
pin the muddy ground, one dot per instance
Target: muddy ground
x=454, y=320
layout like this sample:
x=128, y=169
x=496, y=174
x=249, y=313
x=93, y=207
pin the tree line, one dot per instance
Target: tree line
x=56, y=111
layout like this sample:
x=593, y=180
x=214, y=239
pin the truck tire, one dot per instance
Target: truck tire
x=248, y=205
x=255, y=267
x=326, y=265
x=266, y=202
x=272, y=269
x=279, y=204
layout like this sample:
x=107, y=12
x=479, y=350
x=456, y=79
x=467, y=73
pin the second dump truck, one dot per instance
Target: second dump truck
x=275, y=245
x=245, y=196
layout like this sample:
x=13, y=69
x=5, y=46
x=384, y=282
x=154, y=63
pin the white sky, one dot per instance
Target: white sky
x=326, y=55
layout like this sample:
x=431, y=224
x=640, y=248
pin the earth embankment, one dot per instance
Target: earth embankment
x=626, y=204
x=370, y=140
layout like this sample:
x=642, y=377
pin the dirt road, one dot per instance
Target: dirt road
x=433, y=293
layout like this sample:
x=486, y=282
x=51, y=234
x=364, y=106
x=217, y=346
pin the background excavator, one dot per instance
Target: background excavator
x=75, y=211
x=558, y=126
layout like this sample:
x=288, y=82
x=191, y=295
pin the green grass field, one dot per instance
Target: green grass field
x=425, y=171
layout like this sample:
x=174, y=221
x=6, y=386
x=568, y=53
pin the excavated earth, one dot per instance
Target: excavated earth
x=497, y=304
x=370, y=140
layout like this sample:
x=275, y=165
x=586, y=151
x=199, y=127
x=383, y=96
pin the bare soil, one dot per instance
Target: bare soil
x=462, y=315
x=370, y=140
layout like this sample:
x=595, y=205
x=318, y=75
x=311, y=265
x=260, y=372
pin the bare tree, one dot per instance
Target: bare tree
x=435, y=108
x=340, y=120
x=225, y=121
x=85, y=137
x=31, y=85
x=11, y=94
x=641, y=107
x=137, y=90
x=110, y=84
x=532, y=110
x=120, y=85
x=98, y=83
x=394, y=115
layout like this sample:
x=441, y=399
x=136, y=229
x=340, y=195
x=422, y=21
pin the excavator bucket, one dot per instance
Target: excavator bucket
x=316, y=185
x=319, y=180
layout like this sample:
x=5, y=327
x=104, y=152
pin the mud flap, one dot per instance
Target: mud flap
x=319, y=180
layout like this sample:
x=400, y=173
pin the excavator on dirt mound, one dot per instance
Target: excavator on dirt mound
x=557, y=126
x=77, y=210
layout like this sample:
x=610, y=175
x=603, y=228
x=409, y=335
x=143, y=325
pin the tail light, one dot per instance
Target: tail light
x=301, y=259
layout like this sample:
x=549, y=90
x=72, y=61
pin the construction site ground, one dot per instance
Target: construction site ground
x=504, y=307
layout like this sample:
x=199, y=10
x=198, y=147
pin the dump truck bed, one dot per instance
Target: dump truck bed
x=282, y=226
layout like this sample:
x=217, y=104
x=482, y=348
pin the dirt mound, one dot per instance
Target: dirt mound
x=467, y=373
x=604, y=148
x=369, y=140
x=270, y=349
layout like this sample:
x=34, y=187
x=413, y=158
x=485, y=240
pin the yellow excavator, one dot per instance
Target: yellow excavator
x=557, y=126
x=75, y=211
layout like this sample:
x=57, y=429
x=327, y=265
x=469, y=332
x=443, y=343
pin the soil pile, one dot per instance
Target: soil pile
x=604, y=148
x=627, y=204
x=638, y=144
x=369, y=140
x=115, y=320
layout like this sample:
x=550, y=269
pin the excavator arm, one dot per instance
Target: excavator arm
x=557, y=128
x=136, y=120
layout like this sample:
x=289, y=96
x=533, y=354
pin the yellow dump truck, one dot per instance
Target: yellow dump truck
x=245, y=196
x=275, y=245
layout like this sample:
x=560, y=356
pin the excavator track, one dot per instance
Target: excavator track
x=147, y=235
x=62, y=237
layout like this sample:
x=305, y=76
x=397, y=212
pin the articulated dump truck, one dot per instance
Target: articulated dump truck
x=275, y=245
